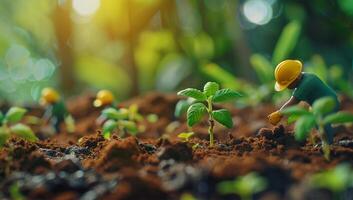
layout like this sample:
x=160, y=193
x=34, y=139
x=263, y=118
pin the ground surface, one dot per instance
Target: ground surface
x=157, y=165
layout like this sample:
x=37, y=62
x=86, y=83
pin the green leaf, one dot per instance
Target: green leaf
x=185, y=135
x=15, y=114
x=181, y=107
x=152, y=118
x=195, y=113
x=226, y=187
x=4, y=136
x=225, y=95
x=210, y=88
x=224, y=117
x=287, y=41
x=303, y=127
x=262, y=67
x=112, y=113
x=1, y=117
x=338, y=118
x=193, y=93
x=133, y=113
x=249, y=184
x=324, y=105
x=70, y=124
x=292, y=119
x=108, y=127
x=130, y=126
x=24, y=132
x=295, y=111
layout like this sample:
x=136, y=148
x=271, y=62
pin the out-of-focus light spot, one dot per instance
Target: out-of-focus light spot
x=257, y=11
x=43, y=69
x=85, y=7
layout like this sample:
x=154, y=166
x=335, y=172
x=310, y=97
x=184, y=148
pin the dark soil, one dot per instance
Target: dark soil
x=157, y=165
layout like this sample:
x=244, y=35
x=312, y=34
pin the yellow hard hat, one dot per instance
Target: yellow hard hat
x=104, y=97
x=49, y=96
x=286, y=72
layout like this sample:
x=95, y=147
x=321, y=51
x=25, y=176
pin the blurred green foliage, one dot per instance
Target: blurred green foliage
x=134, y=46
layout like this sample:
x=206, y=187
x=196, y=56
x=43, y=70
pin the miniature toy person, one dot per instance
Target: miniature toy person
x=104, y=98
x=306, y=87
x=56, y=110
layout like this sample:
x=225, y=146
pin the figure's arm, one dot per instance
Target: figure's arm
x=276, y=116
x=291, y=102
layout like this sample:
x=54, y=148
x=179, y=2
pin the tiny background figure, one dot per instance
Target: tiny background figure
x=56, y=111
x=104, y=99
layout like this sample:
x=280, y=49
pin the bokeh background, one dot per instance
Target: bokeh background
x=135, y=46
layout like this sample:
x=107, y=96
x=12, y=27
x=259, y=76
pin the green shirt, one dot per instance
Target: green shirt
x=59, y=110
x=312, y=88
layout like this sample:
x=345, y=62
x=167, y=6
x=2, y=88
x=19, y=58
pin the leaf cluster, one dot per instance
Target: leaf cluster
x=244, y=186
x=10, y=125
x=336, y=180
x=320, y=115
x=124, y=119
x=210, y=94
x=185, y=136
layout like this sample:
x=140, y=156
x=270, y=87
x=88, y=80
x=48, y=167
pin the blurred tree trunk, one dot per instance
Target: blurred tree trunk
x=63, y=32
x=130, y=51
x=241, y=50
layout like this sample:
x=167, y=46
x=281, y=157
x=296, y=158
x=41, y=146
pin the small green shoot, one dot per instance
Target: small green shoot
x=70, y=124
x=15, y=192
x=10, y=126
x=185, y=136
x=318, y=117
x=195, y=146
x=244, y=186
x=211, y=94
x=152, y=118
x=123, y=119
x=336, y=180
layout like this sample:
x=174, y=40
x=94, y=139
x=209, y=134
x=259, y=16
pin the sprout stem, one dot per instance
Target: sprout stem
x=211, y=121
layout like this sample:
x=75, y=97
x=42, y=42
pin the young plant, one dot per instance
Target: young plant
x=336, y=180
x=123, y=119
x=211, y=94
x=9, y=125
x=185, y=136
x=244, y=186
x=319, y=116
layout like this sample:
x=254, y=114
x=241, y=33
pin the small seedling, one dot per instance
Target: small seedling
x=210, y=94
x=123, y=119
x=336, y=180
x=244, y=186
x=185, y=136
x=318, y=117
x=10, y=125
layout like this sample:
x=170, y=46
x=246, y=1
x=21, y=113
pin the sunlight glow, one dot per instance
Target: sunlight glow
x=258, y=11
x=85, y=7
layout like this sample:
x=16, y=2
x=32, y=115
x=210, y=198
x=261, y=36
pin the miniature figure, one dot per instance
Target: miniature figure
x=306, y=87
x=104, y=98
x=56, y=110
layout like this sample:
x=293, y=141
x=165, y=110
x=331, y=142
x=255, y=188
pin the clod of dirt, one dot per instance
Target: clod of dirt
x=271, y=134
x=67, y=166
x=148, y=148
x=136, y=187
x=179, y=152
x=118, y=153
x=91, y=141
